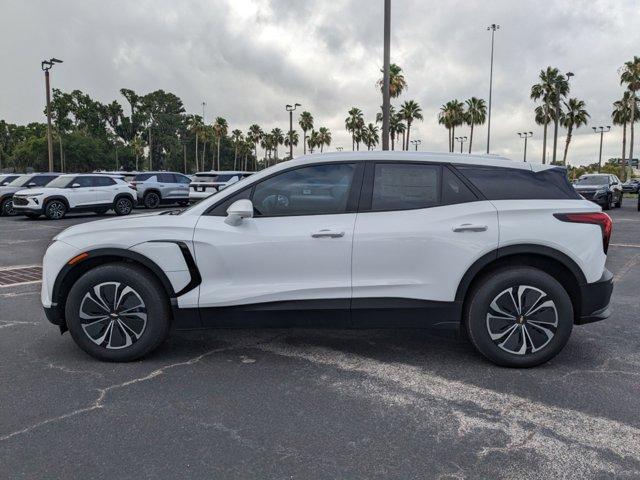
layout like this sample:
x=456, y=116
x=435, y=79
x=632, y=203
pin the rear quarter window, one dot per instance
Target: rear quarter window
x=499, y=183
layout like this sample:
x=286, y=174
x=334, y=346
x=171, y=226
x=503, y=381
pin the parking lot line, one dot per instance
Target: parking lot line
x=627, y=245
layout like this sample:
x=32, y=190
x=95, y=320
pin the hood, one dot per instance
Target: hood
x=34, y=191
x=589, y=187
x=8, y=190
x=124, y=232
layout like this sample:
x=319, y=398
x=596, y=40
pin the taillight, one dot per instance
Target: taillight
x=133, y=185
x=598, y=218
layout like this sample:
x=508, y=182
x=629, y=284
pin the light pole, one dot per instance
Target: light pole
x=526, y=136
x=461, y=140
x=46, y=66
x=601, y=130
x=204, y=104
x=290, y=109
x=415, y=143
x=386, y=99
x=557, y=114
x=493, y=27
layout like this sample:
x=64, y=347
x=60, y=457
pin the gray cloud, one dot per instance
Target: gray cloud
x=248, y=58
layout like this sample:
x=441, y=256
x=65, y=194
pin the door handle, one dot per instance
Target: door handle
x=326, y=233
x=468, y=227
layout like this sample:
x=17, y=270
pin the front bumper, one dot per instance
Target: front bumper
x=27, y=204
x=596, y=299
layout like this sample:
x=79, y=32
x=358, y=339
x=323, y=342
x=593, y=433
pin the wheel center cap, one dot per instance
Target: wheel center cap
x=521, y=319
x=114, y=316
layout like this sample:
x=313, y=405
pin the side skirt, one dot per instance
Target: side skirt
x=330, y=313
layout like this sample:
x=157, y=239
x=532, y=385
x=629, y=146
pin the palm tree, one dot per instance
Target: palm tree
x=543, y=116
x=291, y=139
x=410, y=111
x=444, y=118
x=552, y=84
x=137, y=146
x=266, y=142
x=220, y=128
x=278, y=139
x=195, y=125
x=254, y=135
x=324, y=137
x=371, y=135
x=396, y=127
x=451, y=115
x=313, y=140
x=476, y=114
x=353, y=123
x=236, y=136
x=630, y=77
x=306, y=123
x=397, y=82
x=575, y=116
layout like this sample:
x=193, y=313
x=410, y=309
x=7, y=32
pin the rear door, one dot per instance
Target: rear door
x=105, y=189
x=181, y=184
x=419, y=228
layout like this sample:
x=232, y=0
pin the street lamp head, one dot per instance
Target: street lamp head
x=594, y=129
x=55, y=60
x=298, y=105
x=287, y=106
x=531, y=133
x=570, y=74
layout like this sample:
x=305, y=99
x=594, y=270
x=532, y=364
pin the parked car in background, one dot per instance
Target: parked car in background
x=156, y=188
x=76, y=193
x=125, y=175
x=601, y=188
x=506, y=250
x=7, y=178
x=631, y=186
x=32, y=180
x=208, y=183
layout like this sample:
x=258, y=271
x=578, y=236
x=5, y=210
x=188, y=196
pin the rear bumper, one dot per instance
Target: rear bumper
x=596, y=298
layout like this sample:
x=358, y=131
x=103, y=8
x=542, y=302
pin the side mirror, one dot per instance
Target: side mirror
x=237, y=211
x=75, y=185
x=31, y=184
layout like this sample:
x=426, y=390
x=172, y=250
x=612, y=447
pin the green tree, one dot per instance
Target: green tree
x=551, y=85
x=353, y=123
x=220, y=128
x=475, y=114
x=324, y=137
x=306, y=124
x=278, y=139
x=410, y=111
x=397, y=82
x=254, y=135
x=574, y=116
x=630, y=77
x=236, y=136
x=291, y=139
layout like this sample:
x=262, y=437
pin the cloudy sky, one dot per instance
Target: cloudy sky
x=248, y=58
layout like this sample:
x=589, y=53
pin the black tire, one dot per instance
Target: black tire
x=607, y=205
x=151, y=200
x=503, y=287
x=123, y=206
x=118, y=344
x=183, y=203
x=101, y=211
x=7, y=208
x=33, y=216
x=55, y=210
x=619, y=202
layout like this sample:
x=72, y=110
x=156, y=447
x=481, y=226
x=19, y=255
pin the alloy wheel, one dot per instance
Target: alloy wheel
x=8, y=208
x=522, y=320
x=124, y=206
x=152, y=200
x=113, y=315
x=56, y=210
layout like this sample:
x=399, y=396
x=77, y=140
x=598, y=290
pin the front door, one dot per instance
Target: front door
x=82, y=192
x=295, y=253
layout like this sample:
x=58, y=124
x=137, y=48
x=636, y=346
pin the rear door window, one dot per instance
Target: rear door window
x=500, y=183
x=405, y=186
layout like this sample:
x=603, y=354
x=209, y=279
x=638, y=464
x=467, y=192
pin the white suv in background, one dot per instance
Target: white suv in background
x=508, y=251
x=206, y=184
x=76, y=193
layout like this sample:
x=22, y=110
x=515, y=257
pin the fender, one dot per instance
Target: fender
x=525, y=249
x=120, y=195
x=55, y=197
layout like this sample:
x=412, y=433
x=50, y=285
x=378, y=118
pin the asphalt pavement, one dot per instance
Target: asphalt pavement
x=315, y=404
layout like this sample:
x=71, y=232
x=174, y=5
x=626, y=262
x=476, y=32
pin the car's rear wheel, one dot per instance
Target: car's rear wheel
x=7, y=208
x=55, y=210
x=151, y=200
x=123, y=206
x=118, y=312
x=619, y=202
x=519, y=317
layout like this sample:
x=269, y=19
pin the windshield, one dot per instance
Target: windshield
x=596, y=180
x=21, y=181
x=6, y=179
x=60, y=182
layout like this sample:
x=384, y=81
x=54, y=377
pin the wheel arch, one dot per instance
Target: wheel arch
x=70, y=274
x=63, y=199
x=152, y=190
x=120, y=195
x=555, y=263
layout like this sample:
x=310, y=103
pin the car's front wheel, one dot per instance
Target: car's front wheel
x=519, y=317
x=118, y=312
x=7, y=208
x=123, y=206
x=55, y=210
x=619, y=202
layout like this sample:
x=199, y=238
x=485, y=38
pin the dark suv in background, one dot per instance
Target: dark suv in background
x=601, y=188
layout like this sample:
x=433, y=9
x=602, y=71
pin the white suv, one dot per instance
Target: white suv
x=206, y=184
x=506, y=250
x=76, y=193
